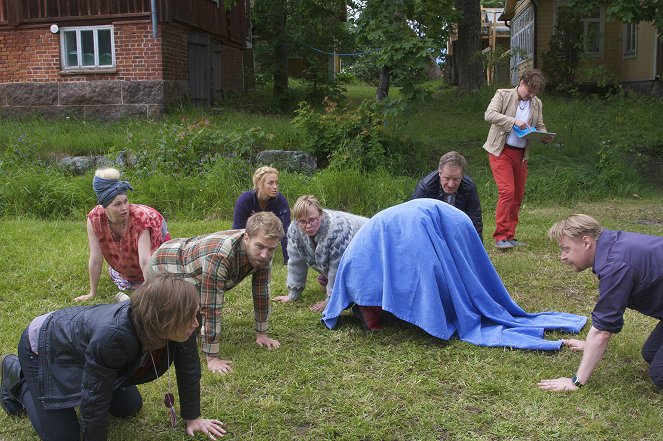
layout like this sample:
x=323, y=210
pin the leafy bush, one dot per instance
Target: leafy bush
x=190, y=148
x=348, y=139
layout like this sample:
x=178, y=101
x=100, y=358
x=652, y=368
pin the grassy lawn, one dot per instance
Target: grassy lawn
x=346, y=384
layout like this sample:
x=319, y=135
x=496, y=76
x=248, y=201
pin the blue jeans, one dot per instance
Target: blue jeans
x=61, y=424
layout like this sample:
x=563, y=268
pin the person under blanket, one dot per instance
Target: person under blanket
x=424, y=262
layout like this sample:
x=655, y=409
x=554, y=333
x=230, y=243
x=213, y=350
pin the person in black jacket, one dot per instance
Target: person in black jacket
x=92, y=357
x=450, y=184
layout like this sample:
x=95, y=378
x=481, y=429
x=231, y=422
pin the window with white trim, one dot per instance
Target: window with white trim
x=522, y=34
x=593, y=27
x=87, y=47
x=630, y=39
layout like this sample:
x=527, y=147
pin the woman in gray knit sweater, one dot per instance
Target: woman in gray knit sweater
x=317, y=239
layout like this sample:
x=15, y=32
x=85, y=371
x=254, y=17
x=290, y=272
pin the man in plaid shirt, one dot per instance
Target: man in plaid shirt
x=216, y=263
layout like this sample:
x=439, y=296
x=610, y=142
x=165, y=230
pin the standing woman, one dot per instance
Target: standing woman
x=507, y=153
x=92, y=357
x=317, y=239
x=265, y=196
x=123, y=234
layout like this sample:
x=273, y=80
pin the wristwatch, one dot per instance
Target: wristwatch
x=576, y=382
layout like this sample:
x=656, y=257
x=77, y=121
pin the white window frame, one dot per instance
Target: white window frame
x=97, y=66
x=630, y=40
x=586, y=22
x=522, y=33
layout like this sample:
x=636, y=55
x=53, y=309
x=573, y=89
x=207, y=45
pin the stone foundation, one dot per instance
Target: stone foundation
x=645, y=88
x=102, y=100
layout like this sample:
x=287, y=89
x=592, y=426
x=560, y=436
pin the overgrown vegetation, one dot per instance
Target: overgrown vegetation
x=193, y=165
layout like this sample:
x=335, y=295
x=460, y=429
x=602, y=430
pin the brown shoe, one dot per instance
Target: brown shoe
x=369, y=316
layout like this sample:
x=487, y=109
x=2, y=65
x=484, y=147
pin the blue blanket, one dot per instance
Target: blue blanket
x=424, y=262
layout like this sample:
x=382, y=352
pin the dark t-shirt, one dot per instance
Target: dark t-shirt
x=629, y=267
x=247, y=204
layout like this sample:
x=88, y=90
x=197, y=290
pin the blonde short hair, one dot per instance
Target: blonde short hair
x=575, y=226
x=303, y=203
x=267, y=222
x=260, y=174
x=112, y=174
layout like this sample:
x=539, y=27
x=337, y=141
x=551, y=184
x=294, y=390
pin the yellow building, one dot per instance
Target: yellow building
x=629, y=53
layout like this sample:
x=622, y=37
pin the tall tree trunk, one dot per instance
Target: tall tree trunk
x=383, y=84
x=279, y=49
x=470, y=68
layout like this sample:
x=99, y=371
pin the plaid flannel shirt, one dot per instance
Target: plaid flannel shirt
x=215, y=263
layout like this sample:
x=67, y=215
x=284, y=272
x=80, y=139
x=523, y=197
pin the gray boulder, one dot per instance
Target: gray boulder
x=78, y=165
x=294, y=161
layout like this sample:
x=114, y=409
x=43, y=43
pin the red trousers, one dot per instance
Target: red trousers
x=510, y=173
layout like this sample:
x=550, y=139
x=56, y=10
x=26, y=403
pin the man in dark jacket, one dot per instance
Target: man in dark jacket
x=450, y=184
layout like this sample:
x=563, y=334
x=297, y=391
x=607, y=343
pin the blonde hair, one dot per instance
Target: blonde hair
x=303, y=203
x=164, y=305
x=575, y=226
x=260, y=174
x=267, y=222
x=108, y=173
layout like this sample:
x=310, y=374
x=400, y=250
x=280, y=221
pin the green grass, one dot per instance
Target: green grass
x=347, y=384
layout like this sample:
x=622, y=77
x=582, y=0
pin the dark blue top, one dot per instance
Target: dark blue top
x=630, y=271
x=466, y=198
x=247, y=204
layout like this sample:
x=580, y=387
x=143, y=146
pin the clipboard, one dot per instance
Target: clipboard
x=530, y=132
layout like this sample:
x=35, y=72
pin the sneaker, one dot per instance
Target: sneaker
x=369, y=316
x=120, y=297
x=504, y=244
x=517, y=243
x=10, y=376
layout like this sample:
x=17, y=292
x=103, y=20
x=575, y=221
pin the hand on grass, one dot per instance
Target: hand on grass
x=574, y=345
x=218, y=366
x=83, y=297
x=211, y=428
x=267, y=342
x=319, y=306
x=557, y=384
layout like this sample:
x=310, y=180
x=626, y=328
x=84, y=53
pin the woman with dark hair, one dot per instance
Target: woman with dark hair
x=123, y=234
x=92, y=357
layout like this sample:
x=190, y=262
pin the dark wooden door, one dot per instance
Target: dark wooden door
x=199, y=70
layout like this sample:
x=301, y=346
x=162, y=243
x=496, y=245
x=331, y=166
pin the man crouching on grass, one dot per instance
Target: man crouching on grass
x=630, y=273
x=216, y=263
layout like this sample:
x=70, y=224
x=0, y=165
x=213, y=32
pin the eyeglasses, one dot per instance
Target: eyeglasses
x=312, y=221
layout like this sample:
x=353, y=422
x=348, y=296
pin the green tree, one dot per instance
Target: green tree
x=627, y=11
x=468, y=45
x=403, y=35
x=281, y=26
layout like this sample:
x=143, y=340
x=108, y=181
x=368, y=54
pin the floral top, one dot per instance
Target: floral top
x=122, y=255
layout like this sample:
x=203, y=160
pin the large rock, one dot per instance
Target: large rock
x=78, y=165
x=294, y=161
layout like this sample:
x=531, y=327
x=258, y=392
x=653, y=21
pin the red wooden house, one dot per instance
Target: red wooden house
x=113, y=58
